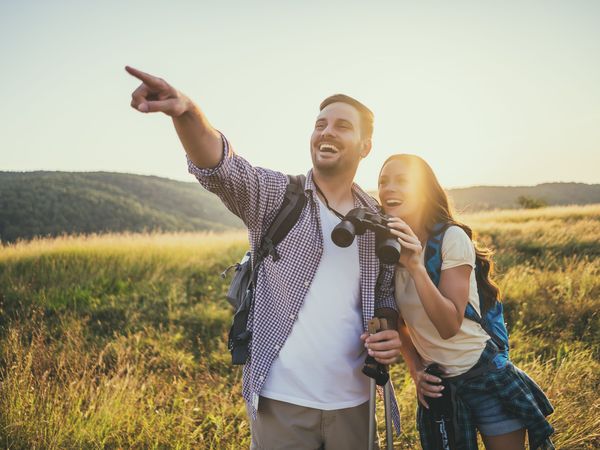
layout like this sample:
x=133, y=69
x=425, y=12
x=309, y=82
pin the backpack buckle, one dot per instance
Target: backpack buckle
x=226, y=271
x=270, y=248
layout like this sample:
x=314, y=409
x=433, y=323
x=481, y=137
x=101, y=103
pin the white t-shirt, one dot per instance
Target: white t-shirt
x=459, y=353
x=320, y=363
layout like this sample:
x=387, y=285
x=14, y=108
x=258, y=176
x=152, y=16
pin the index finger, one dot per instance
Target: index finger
x=399, y=224
x=382, y=336
x=150, y=80
x=432, y=379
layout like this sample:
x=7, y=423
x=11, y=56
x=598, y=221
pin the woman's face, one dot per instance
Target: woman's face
x=399, y=191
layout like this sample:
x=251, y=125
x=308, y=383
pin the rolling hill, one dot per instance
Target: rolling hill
x=54, y=203
x=478, y=198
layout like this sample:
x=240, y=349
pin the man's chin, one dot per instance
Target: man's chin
x=328, y=167
x=332, y=166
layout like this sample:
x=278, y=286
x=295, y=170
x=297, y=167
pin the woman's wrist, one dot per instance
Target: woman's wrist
x=418, y=269
x=414, y=365
x=415, y=369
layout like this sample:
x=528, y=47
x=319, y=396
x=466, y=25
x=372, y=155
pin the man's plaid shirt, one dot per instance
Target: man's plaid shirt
x=255, y=195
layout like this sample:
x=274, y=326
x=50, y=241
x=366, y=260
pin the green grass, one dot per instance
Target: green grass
x=119, y=341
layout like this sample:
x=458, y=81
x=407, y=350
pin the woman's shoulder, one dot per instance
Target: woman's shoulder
x=457, y=247
x=456, y=233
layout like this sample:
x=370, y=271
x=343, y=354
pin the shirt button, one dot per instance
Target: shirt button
x=306, y=284
x=292, y=316
x=261, y=378
x=276, y=347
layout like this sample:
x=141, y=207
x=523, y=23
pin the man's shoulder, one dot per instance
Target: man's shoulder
x=367, y=199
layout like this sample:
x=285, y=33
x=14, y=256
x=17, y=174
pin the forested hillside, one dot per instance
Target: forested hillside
x=54, y=203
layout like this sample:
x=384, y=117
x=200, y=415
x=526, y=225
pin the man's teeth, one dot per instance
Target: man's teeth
x=393, y=202
x=328, y=147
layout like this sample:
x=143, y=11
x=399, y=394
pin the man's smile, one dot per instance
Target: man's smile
x=328, y=148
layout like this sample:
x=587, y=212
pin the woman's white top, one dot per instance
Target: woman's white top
x=460, y=352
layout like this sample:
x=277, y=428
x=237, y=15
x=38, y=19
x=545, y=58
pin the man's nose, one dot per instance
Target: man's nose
x=327, y=131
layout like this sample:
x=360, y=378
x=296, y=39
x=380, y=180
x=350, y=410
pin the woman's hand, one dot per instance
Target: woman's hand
x=426, y=384
x=410, y=255
x=383, y=346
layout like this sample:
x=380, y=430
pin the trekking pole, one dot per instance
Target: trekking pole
x=440, y=409
x=379, y=376
x=372, y=406
x=387, y=398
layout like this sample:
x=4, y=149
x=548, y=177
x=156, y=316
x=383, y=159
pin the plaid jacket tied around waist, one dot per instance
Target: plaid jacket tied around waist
x=518, y=394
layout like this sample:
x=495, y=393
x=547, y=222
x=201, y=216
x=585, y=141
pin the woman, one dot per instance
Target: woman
x=433, y=328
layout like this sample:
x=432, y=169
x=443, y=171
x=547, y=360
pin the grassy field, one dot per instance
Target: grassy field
x=119, y=341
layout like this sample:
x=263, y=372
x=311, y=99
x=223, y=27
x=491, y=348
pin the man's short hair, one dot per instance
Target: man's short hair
x=366, y=115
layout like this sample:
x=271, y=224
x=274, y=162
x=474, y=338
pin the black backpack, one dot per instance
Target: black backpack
x=241, y=290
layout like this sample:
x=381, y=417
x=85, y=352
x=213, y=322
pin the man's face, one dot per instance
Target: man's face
x=336, y=144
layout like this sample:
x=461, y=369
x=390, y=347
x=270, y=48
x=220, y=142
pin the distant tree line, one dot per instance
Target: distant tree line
x=531, y=203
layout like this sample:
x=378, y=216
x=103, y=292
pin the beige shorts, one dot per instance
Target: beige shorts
x=281, y=425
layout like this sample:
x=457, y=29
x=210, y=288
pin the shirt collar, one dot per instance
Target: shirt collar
x=361, y=198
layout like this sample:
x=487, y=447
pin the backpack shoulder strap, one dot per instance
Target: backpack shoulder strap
x=433, y=252
x=287, y=216
x=470, y=312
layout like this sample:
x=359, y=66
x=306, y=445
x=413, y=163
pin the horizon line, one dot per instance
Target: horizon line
x=366, y=189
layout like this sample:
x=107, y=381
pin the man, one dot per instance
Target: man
x=303, y=384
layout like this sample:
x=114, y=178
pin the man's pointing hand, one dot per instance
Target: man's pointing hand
x=156, y=95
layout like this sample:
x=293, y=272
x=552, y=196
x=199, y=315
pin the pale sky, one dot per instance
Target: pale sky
x=489, y=93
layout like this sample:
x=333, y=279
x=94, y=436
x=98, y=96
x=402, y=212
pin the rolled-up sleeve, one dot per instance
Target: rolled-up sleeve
x=220, y=170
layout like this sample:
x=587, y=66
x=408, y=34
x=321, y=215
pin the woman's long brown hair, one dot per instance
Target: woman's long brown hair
x=437, y=210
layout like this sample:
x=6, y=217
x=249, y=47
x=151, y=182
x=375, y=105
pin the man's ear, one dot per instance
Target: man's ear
x=365, y=148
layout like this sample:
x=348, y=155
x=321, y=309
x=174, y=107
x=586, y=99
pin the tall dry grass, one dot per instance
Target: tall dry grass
x=119, y=341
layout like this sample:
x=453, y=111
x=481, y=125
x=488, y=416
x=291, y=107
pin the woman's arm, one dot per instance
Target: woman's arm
x=445, y=306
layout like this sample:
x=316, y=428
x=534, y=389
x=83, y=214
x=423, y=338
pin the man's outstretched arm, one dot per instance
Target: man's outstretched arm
x=202, y=143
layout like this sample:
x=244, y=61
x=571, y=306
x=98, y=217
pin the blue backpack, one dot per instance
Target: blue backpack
x=492, y=321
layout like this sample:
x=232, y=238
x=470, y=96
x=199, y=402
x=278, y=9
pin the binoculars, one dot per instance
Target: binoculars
x=357, y=222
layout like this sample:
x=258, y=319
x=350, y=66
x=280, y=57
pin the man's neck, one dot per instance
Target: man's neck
x=337, y=189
